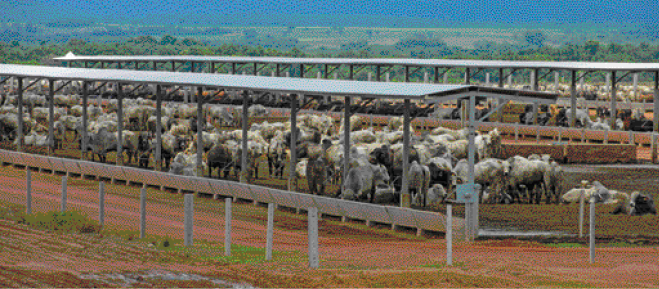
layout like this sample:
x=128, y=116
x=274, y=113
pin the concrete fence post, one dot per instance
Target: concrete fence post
x=592, y=230
x=227, y=226
x=606, y=137
x=312, y=223
x=581, y=205
x=101, y=203
x=449, y=234
x=142, y=211
x=63, y=203
x=537, y=134
x=583, y=134
x=516, y=132
x=560, y=133
x=28, y=205
x=631, y=137
x=188, y=218
x=271, y=217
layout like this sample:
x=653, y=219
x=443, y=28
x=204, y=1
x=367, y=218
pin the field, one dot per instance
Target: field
x=352, y=255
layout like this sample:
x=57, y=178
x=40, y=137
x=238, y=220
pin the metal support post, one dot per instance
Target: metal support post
x=200, y=124
x=471, y=159
x=404, y=195
x=573, y=98
x=346, y=139
x=120, y=122
x=19, y=147
x=84, y=120
x=655, y=112
x=158, y=152
x=293, y=146
x=556, y=81
x=467, y=75
x=51, y=117
x=245, y=122
x=614, y=91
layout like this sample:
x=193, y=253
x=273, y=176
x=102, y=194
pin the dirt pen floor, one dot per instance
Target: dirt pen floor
x=351, y=254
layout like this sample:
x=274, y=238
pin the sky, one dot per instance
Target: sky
x=328, y=13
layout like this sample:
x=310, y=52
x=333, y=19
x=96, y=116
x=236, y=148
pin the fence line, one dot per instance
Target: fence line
x=428, y=221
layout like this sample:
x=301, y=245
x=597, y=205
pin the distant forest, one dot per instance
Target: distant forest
x=531, y=47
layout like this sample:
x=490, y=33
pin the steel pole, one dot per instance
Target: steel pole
x=51, y=116
x=293, y=145
x=592, y=230
x=614, y=91
x=200, y=140
x=471, y=159
x=84, y=121
x=346, y=140
x=573, y=98
x=20, y=114
x=120, y=120
x=655, y=112
x=404, y=195
x=158, y=152
x=243, y=156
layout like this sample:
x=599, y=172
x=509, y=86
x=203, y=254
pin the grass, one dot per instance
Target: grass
x=565, y=245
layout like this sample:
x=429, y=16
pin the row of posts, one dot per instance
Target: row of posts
x=189, y=217
x=312, y=221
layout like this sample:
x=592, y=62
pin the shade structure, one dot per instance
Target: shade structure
x=556, y=65
x=263, y=83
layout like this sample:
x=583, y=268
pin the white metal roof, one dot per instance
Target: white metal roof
x=557, y=65
x=275, y=84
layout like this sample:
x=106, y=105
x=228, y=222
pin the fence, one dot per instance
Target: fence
x=370, y=213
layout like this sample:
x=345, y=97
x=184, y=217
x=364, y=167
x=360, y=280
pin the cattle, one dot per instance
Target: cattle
x=219, y=156
x=418, y=179
x=638, y=204
x=360, y=182
x=59, y=134
x=436, y=195
x=101, y=143
x=276, y=156
x=596, y=191
x=531, y=174
x=489, y=173
x=170, y=145
x=384, y=194
x=316, y=170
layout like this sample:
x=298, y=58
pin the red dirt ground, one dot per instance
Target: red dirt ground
x=349, y=257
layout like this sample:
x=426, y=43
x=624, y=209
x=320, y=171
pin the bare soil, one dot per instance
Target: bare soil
x=352, y=255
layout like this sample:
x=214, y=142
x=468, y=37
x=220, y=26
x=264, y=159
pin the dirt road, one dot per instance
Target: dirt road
x=351, y=255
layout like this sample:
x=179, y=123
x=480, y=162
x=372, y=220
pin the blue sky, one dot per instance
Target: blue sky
x=222, y=12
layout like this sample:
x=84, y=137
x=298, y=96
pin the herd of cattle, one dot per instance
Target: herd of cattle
x=437, y=159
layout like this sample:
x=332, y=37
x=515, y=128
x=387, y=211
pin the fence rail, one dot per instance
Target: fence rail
x=421, y=220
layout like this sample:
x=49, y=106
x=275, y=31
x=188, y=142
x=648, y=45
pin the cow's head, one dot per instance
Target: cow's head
x=506, y=166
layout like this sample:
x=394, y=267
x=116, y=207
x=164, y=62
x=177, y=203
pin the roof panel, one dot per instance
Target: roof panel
x=260, y=83
x=559, y=65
